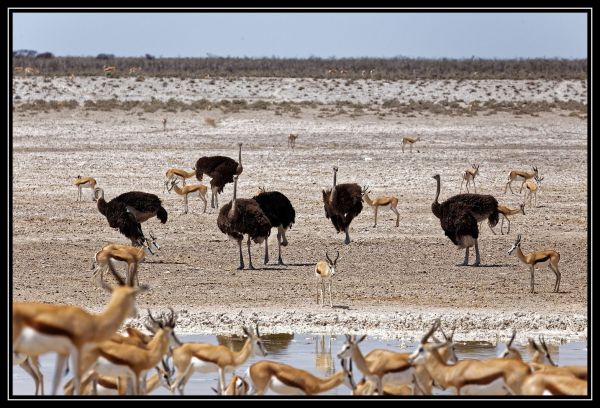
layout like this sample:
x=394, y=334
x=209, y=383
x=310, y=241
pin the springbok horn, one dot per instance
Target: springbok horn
x=514, y=334
x=337, y=256
x=430, y=332
x=329, y=259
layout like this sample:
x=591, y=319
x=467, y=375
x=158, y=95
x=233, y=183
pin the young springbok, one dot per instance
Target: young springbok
x=538, y=257
x=292, y=140
x=85, y=182
x=111, y=254
x=519, y=175
x=324, y=271
x=390, y=202
x=187, y=190
x=191, y=357
x=504, y=212
x=410, y=141
x=469, y=176
x=532, y=189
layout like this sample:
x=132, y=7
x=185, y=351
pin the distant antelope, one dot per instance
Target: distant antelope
x=469, y=176
x=532, y=189
x=410, y=141
x=189, y=189
x=390, y=202
x=519, y=175
x=31, y=71
x=292, y=140
x=164, y=122
x=364, y=73
x=539, y=257
x=332, y=71
x=324, y=271
x=84, y=182
x=109, y=71
x=504, y=212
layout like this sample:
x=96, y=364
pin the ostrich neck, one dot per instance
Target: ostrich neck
x=437, y=193
x=334, y=178
x=102, y=205
x=232, y=211
x=240, y=156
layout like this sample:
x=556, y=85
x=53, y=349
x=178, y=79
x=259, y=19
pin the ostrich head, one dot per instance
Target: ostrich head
x=335, y=170
x=517, y=244
x=98, y=194
x=437, y=194
x=240, y=168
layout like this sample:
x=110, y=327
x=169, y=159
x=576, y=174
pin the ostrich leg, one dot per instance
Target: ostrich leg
x=466, y=261
x=241, y=257
x=347, y=241
x=282, y=241
x=266, y=251
x=477, y=258
x=250, y=254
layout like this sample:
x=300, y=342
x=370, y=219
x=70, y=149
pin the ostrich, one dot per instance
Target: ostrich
x=243, y=216
x=281, y=214
x=342, y=203
x=221, y=170
x=127, y=211
x=459, y=216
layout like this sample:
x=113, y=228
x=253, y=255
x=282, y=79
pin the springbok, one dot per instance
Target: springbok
x=519, y=175
x=539, y=257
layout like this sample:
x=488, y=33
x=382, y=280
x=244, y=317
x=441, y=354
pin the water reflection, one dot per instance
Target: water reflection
x=324, y=360
x=275, y=344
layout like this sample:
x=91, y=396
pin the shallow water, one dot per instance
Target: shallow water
x=316, y=354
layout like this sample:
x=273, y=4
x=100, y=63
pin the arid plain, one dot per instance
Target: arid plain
x=392, y=281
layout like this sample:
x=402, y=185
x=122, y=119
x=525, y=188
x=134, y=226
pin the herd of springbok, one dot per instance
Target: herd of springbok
x=105, y=362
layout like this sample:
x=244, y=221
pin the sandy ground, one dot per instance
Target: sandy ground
x=392, y=281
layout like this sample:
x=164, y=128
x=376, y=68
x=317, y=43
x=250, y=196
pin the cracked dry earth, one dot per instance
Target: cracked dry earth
x=392, y=281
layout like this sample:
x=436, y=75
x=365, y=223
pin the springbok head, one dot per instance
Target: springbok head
x=257, y=344
x=331, y=263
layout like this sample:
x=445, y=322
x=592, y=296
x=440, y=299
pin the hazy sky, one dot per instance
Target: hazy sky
x=302, y=35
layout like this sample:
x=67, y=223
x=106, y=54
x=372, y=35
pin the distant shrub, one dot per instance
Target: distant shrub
x=45, y=55
x=105, y=56
x=210, y=122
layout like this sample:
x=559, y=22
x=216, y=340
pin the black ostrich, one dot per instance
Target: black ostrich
x=243, y=216
x=127, y=211
x=459, y=216
x=280, y=212
x=221, y=170
x=342, y=203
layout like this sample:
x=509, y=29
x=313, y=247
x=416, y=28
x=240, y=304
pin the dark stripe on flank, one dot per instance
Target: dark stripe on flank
x=49, y=330
x=542, y=259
